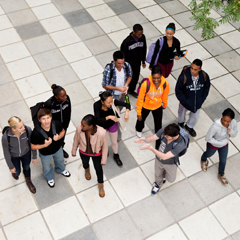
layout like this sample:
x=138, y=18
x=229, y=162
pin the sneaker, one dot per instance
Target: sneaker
x=51, y=183
x=181, y=125
x=66, y=173
x=134, y=94
x=65, y=154
x=139, y=134
x=155, y=188
x=164, y=180
x=191, y=131
x=117, y=159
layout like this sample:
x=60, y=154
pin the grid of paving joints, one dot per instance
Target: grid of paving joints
x=69, y=42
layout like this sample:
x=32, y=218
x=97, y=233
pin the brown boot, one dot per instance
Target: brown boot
x=87, y=174
x=15, y=177
x=30, y=185
x=101, y=190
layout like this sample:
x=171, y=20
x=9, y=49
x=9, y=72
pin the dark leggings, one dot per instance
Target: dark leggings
x=97, y=165
x=157, y=116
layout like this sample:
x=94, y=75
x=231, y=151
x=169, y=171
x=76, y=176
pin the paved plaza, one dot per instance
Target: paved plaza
x=69, y=42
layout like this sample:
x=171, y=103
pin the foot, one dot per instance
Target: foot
x=117, y=159
x=191, y=131
x=181, y=125
x=134, y=94
x=101, y=190
x=155, y=188
x=204, y=165
x=51, y=183
x=66, y=173
x=139, y=134
x=15, y=177
x=164, y=180
x=222, y=179
x=30, y=185
x=87, y=174
x=65, y=154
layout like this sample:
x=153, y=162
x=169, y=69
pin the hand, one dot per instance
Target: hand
x=164, y=107
x=113, y=118
x=13, y=170
x=48, y=142
x=140, y=140
x=144, y=65
x=126, y=90
x=34, y=161
x=103, y=163
x=146, y=146
x=176, y=58
x=122, y=89
x=56, y=137
x=74, y=155
x=139, y=117
x=228, y=130
x=126, y=116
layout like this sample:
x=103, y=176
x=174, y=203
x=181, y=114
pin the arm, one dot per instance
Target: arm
x=179, y=92
x=67, y=119
x=6, y=152
x=129, y=75
x=40, y=146
x=144, y=50
x=148, y=139
x=165, y=95
x=104, y=149
x=96, y=108
x=206, y=88
x=140, y=98
x=76, y=141
x=123, y=104
x=60, y=135
x=156, y=49
x=34, y=152
x=210, y=138
x=234, y=129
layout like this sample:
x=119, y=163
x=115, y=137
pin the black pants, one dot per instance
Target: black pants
x=96, y=163
x=136, y=71
x=157, y=116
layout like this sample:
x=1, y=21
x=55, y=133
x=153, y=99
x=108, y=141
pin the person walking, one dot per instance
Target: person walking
x=108, y=119
x=217, y=139
x=92, y=142
x=17, y=150
x=154, y=100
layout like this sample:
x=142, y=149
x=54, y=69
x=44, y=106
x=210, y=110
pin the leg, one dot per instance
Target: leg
x=59, y=161
x=222, y=152
x=159, y=171
x=16, y=164
x=163, y=67
x=26, y=160
x=140, y=124
x=193, y=118
x=208, y=153
x=47, y=166
x=181, y=114
x=113, y=137
x=171, y=172
x=168, y=69
x=136, y=71
x=85, y=161
x=157, y=116
x=98, y=168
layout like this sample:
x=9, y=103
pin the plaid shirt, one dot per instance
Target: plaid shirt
x=112, y=82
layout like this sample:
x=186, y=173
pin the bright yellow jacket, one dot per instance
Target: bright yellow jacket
x=155, y=98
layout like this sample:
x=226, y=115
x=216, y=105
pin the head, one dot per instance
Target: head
x=196, y=67
x=137, y=31
x=88, y=123
x=227, y=116
x=170, y=31
x=106, y=99
x=16, y=125
x=45, y=117
x=171, y=131
x=118, y=59
x=59, y=93
x=156, y=74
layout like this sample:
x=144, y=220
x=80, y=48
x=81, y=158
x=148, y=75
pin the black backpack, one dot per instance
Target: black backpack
x=39, y=129
x=34, y=111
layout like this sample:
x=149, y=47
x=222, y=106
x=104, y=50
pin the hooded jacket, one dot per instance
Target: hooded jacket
x=135, y=51
x=190, y=98
x=60, y=111
x=17, y=147
x=154, y=97
x=217, y=134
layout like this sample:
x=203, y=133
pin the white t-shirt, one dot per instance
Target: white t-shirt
x=119, y=80
x=195, y=81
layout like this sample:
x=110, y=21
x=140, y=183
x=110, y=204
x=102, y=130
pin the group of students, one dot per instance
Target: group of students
x=120, y=78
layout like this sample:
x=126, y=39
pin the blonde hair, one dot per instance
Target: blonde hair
x=13, y=121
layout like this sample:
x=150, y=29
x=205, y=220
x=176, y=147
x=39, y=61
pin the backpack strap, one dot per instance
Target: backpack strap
x=164, y=85
x=40, y=130
x=147, y=88
x=204, y=75
x=54, y=132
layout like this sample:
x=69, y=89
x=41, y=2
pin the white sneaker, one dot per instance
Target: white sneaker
x=66, y=173
x=139, y=134
x=51, y=183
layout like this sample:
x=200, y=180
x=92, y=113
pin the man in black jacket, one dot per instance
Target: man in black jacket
x=135, y=48
x=191, y=90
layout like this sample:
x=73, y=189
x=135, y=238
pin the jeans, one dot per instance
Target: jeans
x=47, y=166
x=222, y=152
x=26, y=160
x=97, y=165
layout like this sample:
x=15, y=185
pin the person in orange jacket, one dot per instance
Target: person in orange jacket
x=154, y=100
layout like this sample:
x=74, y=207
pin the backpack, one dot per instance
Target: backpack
x=34, y=111
x=185, y=78
x=39, y=129
x=151, y=51
x=184, y=137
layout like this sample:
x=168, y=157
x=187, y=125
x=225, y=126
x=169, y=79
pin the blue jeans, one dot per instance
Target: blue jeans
x=47, y=166
x=222, y=152
x=26, y=160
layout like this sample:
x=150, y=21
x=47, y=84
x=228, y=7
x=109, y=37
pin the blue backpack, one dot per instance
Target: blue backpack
x=151, y=51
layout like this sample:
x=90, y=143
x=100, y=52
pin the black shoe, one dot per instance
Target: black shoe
x=65, y=154
x=181, y=125
x=117, y=159
x=134, y=94
x=191, y=131
x=15, y=177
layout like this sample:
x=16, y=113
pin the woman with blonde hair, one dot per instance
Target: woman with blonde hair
x=17, y=150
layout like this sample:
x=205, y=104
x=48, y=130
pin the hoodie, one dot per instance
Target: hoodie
x=217, y=134
x=17, y=147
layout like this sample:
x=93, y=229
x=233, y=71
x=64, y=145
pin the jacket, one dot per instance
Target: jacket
x=135, y=51
x=154, y=97
x=60, y=111
x=17, y=147
x=217, y=134
x=98, y=142
x=190, y=98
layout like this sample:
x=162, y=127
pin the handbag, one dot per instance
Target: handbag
x=121, y=122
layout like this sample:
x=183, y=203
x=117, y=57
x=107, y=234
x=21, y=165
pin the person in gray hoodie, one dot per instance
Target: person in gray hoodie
x=217, y=140
x=17, y=150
